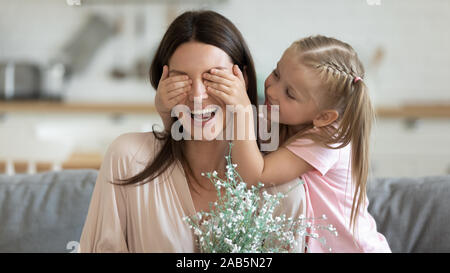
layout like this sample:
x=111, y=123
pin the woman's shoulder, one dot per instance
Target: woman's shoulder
x=130, y=142
x=133, y=148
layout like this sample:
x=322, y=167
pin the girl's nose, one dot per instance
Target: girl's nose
x=270, y=93
x=198, y=90
x=268, y=87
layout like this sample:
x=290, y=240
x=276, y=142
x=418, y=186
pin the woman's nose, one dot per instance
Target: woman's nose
x=198, y=90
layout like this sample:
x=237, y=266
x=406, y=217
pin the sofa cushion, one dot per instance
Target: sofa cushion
x=413, y=213
x=45, y=211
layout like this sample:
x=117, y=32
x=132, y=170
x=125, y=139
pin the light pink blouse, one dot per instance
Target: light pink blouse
x=149, y=217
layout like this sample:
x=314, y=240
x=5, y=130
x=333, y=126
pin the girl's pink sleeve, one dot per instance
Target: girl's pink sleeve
x=318, y=156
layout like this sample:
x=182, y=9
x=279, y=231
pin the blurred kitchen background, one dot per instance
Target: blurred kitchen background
x=74, y=73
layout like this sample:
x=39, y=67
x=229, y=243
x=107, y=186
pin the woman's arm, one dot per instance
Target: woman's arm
x=105, y=226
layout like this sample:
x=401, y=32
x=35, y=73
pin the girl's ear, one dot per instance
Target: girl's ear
x=325, y=118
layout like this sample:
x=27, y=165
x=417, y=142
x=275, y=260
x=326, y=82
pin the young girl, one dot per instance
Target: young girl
x=325, y=116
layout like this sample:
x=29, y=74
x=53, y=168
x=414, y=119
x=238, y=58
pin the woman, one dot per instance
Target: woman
x=148, y=181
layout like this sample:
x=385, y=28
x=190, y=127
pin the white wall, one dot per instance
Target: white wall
x=412, y=34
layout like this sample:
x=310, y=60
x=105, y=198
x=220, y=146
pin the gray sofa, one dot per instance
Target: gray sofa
x=45, y=212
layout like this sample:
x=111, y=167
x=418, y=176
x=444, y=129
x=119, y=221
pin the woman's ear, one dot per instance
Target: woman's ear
x=325, y=118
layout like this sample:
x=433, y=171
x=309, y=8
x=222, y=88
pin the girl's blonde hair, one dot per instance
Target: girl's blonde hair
x=342, y=88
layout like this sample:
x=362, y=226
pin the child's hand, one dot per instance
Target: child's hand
x=229, y=88
x=171, y=91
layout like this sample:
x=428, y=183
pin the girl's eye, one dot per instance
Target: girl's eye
x=274, y=72
x=289, y=95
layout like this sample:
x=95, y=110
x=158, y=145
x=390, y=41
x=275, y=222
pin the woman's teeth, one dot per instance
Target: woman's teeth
x=203, y=115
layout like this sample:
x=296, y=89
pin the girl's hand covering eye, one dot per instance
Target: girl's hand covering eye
x=229, y=88
x=171, y=91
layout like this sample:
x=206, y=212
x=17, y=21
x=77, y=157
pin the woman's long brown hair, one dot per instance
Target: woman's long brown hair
x=338, y=67
x=206, y=27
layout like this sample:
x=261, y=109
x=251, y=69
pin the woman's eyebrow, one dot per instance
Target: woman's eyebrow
x=219, y=67
x=176, y=71
x=184, y=73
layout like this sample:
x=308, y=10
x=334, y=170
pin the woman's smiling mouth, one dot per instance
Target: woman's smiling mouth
x=204, y=115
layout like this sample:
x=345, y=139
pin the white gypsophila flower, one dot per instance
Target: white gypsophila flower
x=245, y=214
x=197, y=232
x=236, y=249
x=228, y=241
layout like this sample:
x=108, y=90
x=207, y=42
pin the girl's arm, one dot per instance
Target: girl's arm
x=278, y=167
x=275, y=168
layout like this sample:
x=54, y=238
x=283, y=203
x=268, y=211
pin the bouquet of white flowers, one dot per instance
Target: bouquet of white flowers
x=241, y=220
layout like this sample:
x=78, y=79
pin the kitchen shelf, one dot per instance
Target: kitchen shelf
x=415, y=111
x=409, y=111
x=49, y=107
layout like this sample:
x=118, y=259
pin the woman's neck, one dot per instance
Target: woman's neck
x=206, y=156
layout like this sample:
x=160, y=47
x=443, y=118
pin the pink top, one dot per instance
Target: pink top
x=329, y=192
